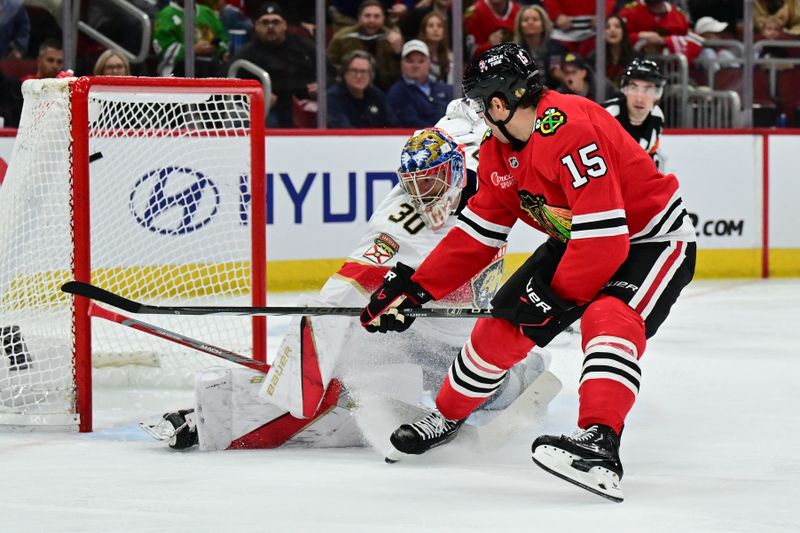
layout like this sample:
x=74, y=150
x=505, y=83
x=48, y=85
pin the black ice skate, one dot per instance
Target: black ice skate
x=178, y=429
x=589, y=459
x=419, y=437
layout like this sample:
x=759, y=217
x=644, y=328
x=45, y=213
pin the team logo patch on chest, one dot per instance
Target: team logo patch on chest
x=556, y=221
x=383, y=248
x=549, y=123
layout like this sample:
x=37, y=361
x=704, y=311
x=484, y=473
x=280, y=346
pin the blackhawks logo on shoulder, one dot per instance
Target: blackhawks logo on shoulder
x=548, y=123
x=556, y=221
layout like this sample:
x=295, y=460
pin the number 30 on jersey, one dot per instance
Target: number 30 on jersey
x=592, y=162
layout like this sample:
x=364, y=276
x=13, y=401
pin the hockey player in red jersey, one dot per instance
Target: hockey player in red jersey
x=620, y=251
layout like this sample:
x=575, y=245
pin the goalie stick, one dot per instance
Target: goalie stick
x=222, y=353
x=88, y=290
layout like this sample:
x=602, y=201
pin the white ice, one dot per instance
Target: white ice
x=711, y=445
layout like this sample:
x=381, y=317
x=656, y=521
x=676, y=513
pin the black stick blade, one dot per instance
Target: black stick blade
x=79, y=288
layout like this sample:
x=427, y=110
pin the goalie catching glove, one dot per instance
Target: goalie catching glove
x=385, y=309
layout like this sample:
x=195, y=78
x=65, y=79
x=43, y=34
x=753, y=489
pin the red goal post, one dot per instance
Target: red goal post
x=151, y=187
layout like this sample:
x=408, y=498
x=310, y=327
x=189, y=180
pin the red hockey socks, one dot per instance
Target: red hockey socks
x=478, y=371
x=613, y=342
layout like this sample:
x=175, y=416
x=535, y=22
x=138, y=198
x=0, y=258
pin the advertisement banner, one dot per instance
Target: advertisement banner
x=321, y=190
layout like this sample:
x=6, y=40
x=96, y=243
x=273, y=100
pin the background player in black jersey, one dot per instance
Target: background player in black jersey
x=637, y=107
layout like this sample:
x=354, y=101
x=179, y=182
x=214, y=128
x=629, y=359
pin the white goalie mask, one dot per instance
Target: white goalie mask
x=432, y=173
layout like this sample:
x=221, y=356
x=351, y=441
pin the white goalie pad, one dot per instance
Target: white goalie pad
x=231, y=413
x=305, y=362
x=228, y=406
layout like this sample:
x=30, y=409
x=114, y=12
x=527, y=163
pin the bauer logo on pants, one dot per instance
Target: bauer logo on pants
x=174, y=200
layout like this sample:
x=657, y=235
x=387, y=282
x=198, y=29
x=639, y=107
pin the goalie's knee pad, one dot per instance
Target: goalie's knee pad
x=610, y=317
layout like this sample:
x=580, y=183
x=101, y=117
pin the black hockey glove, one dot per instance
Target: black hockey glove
x=398, y=292
x=535, y=308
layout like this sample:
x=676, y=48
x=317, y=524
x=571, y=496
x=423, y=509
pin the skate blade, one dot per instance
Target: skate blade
x=597, y=480
x=394, y=455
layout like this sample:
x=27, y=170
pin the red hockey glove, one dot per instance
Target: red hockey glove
x=398, y=292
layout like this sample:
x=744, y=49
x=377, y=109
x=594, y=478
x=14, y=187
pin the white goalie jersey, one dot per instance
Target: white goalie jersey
x=339, y=345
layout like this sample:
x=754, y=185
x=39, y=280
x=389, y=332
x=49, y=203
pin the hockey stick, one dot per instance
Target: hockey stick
x=99, y=312
x=87, y=290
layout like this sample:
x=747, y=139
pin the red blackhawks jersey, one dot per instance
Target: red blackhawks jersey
x=581, y=179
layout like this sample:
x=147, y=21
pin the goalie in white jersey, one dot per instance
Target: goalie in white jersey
x=301, y=400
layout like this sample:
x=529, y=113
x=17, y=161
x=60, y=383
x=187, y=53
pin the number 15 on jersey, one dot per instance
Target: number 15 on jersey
x=593, y=164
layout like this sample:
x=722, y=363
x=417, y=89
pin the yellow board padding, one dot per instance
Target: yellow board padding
x=784, y=262
x=738, y=263
x=311, y=274
x=43, y=289
x=300, y=275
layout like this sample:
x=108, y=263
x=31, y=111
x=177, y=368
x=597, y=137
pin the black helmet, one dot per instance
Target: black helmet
x=505, y=70
x=643, y=69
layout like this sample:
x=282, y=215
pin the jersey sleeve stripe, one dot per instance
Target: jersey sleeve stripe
x=481, y=233
x=608, y=227
x=601, y=215
x=480, y=221
x=603, y=232
x=600, y=224
x=651, y=229
x=663, y=223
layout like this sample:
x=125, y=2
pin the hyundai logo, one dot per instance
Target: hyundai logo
x=174, y=201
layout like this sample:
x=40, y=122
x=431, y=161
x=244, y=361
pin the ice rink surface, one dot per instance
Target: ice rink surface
x=711, y=446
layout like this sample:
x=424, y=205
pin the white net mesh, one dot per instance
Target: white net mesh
x=170, y=224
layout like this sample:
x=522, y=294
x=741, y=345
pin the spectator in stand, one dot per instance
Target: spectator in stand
x=10, y=101
x=772, y=30
x=433, y=32
x=489, y=22
x=345, y=12
x=711, y=28
x=371, y=35
x=112, y=63
x=210, y=46
x=418, y=100
x=532, y=32
x=412, y=23
x=763, y=9
x=619, y=51
x=15, y=29
x=660, y=24
x=289, y=59
x=49, y=61
x=579, y=78
x=355, y=102
x=574, y=23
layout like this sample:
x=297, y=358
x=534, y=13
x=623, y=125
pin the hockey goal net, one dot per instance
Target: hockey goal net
x=152, y=188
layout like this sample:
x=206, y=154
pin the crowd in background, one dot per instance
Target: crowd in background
x=389, y=62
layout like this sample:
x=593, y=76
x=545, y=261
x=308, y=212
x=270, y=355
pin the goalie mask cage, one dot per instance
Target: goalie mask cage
x=152, y=188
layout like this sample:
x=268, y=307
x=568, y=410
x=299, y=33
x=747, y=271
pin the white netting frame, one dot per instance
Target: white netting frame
x=195, y=137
